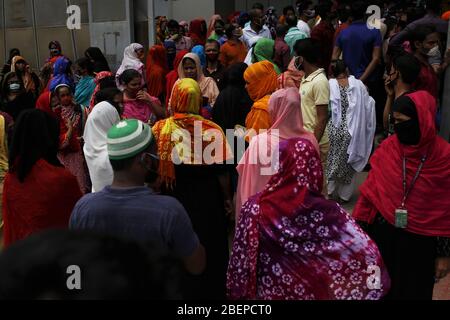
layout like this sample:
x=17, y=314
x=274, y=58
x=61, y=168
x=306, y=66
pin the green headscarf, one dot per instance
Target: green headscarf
x=264, y=50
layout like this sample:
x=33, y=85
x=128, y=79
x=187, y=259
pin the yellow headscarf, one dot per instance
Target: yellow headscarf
x=175, y=135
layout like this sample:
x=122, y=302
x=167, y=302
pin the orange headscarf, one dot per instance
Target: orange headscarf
x=27, y=79
x=156, y=70
x=262, y=81
x=185, y=103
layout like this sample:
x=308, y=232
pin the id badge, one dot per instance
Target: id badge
x=401, y=218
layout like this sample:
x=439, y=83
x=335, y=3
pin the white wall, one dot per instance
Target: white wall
x=190, y=9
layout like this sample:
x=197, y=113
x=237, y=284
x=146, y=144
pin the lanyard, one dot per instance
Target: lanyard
x=407, y=192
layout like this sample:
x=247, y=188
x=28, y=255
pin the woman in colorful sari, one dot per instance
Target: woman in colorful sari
x=30, y=80
x=102, y=118
x=261, y=80
x=133, y=56
x=198, y=182
x=197, y=31
x=264, y=50
x=410, y=221
x=103, y=80
x=72, y=118
x=261, y=158
x=86, y=85
x=156, y=70
x=62, y=74
x=292, y=244
x=190, y=67
x=138, y=104
x=39, y=193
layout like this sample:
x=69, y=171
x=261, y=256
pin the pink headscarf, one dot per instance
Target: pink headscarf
x=290, y=78
x=260, y=161
x=212, y=24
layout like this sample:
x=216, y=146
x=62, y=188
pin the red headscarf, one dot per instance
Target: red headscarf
x=428, y=204
x=197, y=31
x=172, y=76
x=44, y=103
x=99, y=77
x=156, y=69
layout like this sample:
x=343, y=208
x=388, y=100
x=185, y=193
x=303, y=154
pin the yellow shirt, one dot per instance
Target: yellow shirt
x=315, y=91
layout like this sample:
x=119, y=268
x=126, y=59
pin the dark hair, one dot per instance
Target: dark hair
x=128, y=75
x=35, y=137
x=359, y=9
x=420, y=33
x=213, y=41
x=221, y=22
x=433, y=6
x=108, y=82
x=308, y=49
x=12, y=53
x=253, y=14
x=281, y=30
x=288, y=8
x=107, y=94
x=122, y=165
x=85, y=63
x=229, y=28
x=291, y=21
x=339, y=68
x=344, y=12
x=173, y=24
x=112, y=268
x=323, y=10
x=303, y=6
x=408, y=66
x=258, y=5
x=100, y=62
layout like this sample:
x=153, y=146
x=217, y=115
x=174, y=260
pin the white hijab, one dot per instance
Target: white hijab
x=102, y=118
x=131, y=61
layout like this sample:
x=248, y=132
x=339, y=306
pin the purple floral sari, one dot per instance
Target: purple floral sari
x=292, y=244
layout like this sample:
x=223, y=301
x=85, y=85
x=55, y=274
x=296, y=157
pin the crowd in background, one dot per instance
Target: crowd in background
x=325, y=89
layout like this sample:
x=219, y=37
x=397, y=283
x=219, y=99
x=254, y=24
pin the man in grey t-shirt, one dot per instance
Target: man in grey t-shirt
x=128, y=209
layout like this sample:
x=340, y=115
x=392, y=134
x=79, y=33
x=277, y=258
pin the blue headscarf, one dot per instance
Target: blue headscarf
x=84, y=90
x=170, y=44
x=200, y=52
x=60, y=74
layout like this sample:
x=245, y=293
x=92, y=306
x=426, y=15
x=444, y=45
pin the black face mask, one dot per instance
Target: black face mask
x=408, y=132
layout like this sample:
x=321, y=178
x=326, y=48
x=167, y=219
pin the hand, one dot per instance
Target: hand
x=142, y=95
x=442, y=268
x=389, y=88
x=69, y=123
x=229, y=208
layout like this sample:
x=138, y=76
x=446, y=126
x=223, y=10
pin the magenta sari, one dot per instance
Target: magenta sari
x=292, y=244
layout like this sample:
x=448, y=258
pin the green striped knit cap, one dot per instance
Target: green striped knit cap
x=128, y=138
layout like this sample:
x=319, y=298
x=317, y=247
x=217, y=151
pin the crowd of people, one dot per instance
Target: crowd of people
x=312, y=98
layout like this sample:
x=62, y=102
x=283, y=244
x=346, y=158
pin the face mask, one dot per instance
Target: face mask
x=54, y=52
x=310, y=13
x=212, y=56
x=14, y=86
x=434, y=52
x=408, y=132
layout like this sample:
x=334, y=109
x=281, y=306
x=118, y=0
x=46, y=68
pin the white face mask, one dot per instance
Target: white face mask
x=434, y=52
